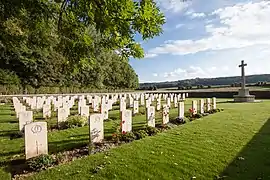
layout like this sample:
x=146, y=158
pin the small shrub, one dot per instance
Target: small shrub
x=178, y=121
x=116, y=137
x=75, y=121
x=163, y=127
x=128, y=137
x=40, y=162
x=123, y=137
x=151, y=131
x=59, y=158
x=140, y=134
x=198, y=115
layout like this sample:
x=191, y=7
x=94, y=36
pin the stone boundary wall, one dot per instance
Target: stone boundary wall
x=192, y=94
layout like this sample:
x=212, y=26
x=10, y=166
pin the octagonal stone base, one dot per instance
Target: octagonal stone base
x=244, y=96
x=250, y=98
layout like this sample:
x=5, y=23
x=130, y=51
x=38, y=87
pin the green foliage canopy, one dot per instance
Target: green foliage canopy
x=75, y=42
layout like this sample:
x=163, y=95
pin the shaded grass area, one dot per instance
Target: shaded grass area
x=59, y=140
x=233, y=144
x=206, y=149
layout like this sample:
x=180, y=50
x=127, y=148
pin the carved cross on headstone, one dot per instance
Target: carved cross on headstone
x=242, y=65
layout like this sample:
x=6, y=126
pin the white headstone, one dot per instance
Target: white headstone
x=104, y=110
x=135, y=107
x=208, y=104
x=126, y=117
x=85, y=111
x=36, y=142
x=142, y=100
x=169, y=102
x=47, y=111
x=214, y=103
x=148, y=103
x=150, y=116
x=165, y=114
x=122, y=104
x=158, y=104
x=96, y=128
x=19, y=110
x=175, y=101
x=181, y=110
x=201, y=106
x=25, y=117
x=95, y=104
x=194, y=107
x=62, y=115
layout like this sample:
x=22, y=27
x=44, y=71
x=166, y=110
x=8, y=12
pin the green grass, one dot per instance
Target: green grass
x=207, y=148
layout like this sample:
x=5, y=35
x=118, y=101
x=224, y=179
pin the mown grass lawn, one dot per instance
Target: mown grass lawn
x=234, y=144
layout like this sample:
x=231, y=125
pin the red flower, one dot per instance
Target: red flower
x=123, y=122
x=124, y=132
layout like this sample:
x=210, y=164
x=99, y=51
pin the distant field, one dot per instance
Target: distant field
x=218, y=89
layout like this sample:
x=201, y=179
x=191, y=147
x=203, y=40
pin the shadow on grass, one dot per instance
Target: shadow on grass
x=7, y=133
x=253, y=162
x=9, y=120
x=225, y=102
x=65, y=145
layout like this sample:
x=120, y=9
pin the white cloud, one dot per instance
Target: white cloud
x=197, y=15
x=242, y=25
x=174, y=6
x=150, y=55
x=155, y=74
x=193, y=72
x=179, y=26
x=194, y=15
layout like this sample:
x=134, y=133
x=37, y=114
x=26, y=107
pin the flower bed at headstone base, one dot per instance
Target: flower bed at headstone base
x=43, y=162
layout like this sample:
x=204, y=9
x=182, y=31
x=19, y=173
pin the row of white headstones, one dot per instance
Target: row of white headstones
x=35, y=133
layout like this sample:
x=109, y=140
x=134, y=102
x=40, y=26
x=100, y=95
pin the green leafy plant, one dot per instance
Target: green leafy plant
x=178, y=121
x=40, y=162
x=163, y=127
x=73, y=121
x=127, y=137
x=151, y=131
x=197, y=116
x=140, y=134
x=59, y=158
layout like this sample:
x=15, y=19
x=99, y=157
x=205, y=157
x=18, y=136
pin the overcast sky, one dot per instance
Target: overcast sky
x=207, y=38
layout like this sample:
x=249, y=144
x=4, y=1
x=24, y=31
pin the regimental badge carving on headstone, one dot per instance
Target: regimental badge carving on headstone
x=36, y=129
x=36, y=142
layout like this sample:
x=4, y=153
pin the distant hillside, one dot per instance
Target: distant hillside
x=219, y=81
